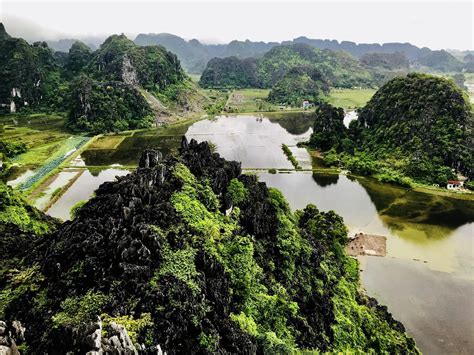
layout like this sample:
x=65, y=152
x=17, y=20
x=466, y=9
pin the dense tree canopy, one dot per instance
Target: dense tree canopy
x=98, y=106
x=29, y=76
x=32, y=77
x=329, y=130
x=189, y=254
x=152, y=67
x=419, y=125
x=230, y=72
x=298, y=85
x=339, y=68
x=395, y=60
x=440, y=60
x=79, y=57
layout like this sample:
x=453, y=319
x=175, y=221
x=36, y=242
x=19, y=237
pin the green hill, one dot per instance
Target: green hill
x=299, y=84
x=188, y=255
x=231, y=72
x=29, y=75
x=417, y=125
x=339, y=68
x=101, y=90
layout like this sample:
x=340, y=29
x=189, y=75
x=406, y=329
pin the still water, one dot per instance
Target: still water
x=427, y=278
x=82, y=189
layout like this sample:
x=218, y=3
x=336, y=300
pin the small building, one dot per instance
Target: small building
x=454, y=184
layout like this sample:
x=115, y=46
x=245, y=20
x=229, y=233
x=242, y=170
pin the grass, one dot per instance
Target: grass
x=44, y=135
x=350, y=98
x=250, y=100
x=109, y=141
x=290, y=156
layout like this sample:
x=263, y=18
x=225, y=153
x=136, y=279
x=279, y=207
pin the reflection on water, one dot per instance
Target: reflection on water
x=59, y=182
x=129, y=151
x=428, y=275
x=437, y=308
x=295, y=123
x=19, y=177
x=427, y=278
x=410, y=220
x=254, y=141
x=82, y=189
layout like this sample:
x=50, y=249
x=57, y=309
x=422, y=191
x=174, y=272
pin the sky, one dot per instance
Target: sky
x=434, y=24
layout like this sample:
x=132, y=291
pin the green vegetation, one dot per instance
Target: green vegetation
x=21, y=283
x=42, y=135
x=329, y=130
x=133, y=326
x=76, y=208
x=349, y=98
x=418, y=126
x=230, y=72
x=290, y=156
x=440, y=60
x=250, y=100
x=77, y=311
x=14, y=210
x=107, y=107
x=118, y=87
x=12, y=149
x=204, y=260
x=31, y=79
x=218, y=106
x=299, y=84
x=339, y=69
x=396, y=60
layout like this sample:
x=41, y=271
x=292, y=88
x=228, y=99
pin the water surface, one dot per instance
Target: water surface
x=82, y=189
x=427, y=278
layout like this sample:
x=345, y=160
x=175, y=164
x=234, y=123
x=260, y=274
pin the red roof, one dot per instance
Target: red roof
x=454, y=182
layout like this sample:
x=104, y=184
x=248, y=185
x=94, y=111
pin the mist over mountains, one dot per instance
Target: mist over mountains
x=194, y=55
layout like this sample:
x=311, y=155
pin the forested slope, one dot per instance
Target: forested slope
x=187, y=255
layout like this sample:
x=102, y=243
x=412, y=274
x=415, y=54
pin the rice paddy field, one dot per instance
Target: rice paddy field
x=350, y=98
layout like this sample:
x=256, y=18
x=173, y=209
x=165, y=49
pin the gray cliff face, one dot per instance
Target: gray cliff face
x=117, y=341
x=11, y=335
x=129, y=73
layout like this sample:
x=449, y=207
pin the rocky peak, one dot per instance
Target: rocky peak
x=3, y=32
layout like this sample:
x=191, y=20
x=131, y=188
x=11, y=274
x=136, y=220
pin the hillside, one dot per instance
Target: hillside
x=187, y=255
x=338, y=68
x=117, y=87
x=417, y=125
x=29, y=76
x=194, y=55
x=231, y=72
x=299, y=84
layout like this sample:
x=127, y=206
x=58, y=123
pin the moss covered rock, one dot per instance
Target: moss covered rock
x=188, y=255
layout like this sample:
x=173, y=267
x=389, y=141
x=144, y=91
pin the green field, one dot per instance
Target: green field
x=44, y=135
x=195, y=77
x=350, y=98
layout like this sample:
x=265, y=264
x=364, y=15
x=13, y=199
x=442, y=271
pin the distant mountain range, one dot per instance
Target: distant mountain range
x=194, y=55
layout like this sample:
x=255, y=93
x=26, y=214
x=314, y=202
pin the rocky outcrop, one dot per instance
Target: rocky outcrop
x=11, y=335
x=129, y=73
x=155, y=255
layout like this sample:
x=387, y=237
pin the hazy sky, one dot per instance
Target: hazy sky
x=435, y=24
